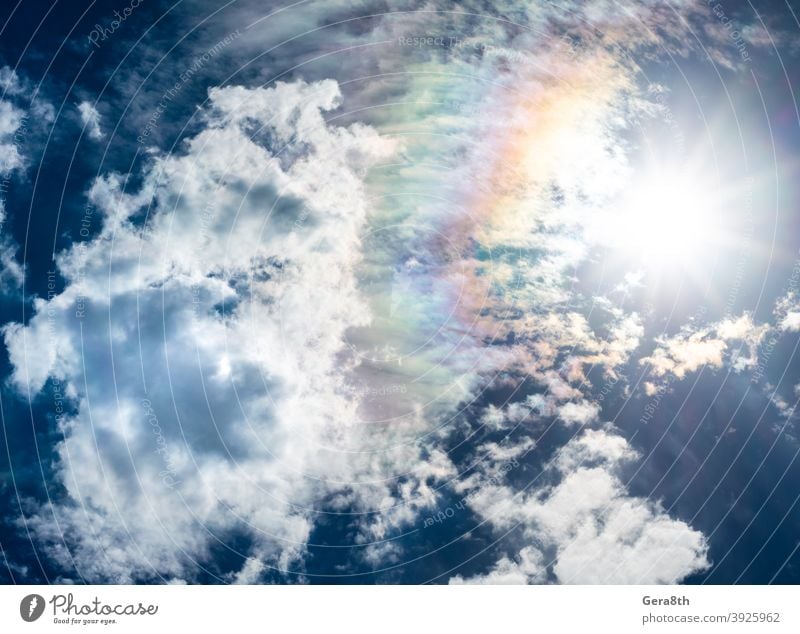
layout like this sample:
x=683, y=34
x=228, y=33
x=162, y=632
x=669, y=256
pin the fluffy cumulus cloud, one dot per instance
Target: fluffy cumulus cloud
x=787, y=312
x=581, y=413
x=586, y=527
x=731, y=340
x=791, y=321
x=199, y=340
x=526, y=568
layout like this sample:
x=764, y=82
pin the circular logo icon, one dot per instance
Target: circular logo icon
x=31, y=607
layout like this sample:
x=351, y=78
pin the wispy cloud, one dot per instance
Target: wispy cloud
x=90, y=118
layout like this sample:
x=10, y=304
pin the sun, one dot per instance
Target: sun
x=667, y=216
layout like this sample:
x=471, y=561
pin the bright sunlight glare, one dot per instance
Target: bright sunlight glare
x=667, y=217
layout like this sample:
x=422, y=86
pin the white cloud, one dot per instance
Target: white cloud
x=252, y=449
x=11, y=120
x=787, y=311
x=580, y=413
x=678, y=355
x=594, y=446
x=19, y=113
x=711, y=346
x=10, y=84
x=12, y=272
x=609, y=537
x=791, y=322
x=593, y=529
x=15, y=125
x=528, y=567
x=90, y=118
x=504, y=452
